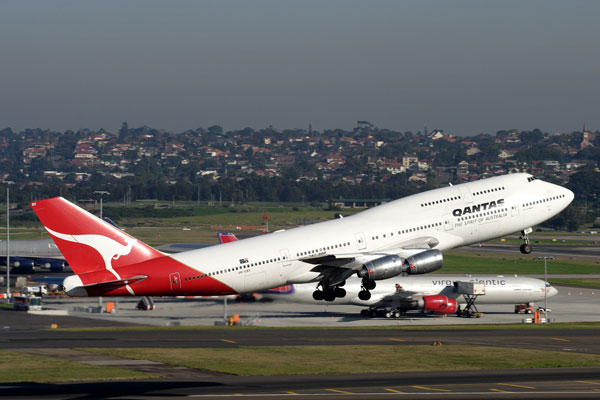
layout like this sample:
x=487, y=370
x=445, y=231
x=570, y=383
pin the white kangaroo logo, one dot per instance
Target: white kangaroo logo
x=108, y=248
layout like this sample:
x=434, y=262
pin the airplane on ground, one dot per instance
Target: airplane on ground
x=434, y=293
x=403, y=236
x=27, y=254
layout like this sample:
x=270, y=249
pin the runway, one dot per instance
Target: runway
x=561, y=383
x=583, y=341
x=569, y=305
x=29, y=333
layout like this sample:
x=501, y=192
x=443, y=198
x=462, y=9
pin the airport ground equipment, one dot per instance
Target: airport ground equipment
x=470, y=291
x=524, y=308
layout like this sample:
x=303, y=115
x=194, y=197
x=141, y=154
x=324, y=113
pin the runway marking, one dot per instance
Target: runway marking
x=338, y=391
x=228, y=341
x=288, y=392
x=500, y=390
x=394, y=391
x=365, y=394
x=590, y=382
x=396, y=339
x=560, y=339
x=428, y=388
x=514, y=385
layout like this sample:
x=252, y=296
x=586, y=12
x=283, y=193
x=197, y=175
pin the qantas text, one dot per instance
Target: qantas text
x=477, y=207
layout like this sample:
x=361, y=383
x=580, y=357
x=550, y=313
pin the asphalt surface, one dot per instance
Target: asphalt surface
x=19, y=336
x=533, y=383
x=28, y=333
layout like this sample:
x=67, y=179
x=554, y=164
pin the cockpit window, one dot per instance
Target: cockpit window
x=531, y=179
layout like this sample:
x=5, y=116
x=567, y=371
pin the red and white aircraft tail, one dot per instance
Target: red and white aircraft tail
x=78, y=233
x=108, y=261
x=225, y=237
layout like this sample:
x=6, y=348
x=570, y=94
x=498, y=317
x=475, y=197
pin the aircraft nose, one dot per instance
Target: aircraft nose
x=570, y=195
x=552, y=291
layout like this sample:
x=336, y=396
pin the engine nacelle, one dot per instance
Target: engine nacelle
x=425, y=262
x=382, y=268
x=54, y=265
x=438, y=303
x=390, y=266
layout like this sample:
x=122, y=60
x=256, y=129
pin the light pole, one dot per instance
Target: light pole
x=545, y=258
x=101, y=193
x=7, y=243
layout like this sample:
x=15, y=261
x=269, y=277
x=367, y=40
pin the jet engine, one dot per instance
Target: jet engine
x=438, y=303
x=53, y=265
x=392, y=265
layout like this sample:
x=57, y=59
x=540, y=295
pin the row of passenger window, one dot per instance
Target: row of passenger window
x=543, y=200
x=431, y=203
x=331, y=247
x=232, y=269
x=488, y=191
x=415, y=229
x=481, y=214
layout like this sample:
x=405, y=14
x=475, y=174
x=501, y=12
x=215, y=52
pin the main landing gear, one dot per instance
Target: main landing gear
x=364, y=293
x=328, y=293
x=526, y=247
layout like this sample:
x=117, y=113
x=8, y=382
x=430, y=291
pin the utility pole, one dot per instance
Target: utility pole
x=7, y=243
x=101, y=193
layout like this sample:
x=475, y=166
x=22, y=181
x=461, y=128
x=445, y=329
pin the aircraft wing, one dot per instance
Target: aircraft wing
x=335, y=268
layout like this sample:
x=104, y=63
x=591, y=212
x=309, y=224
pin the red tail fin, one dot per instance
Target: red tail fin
x=88, y=243
x=225, y=237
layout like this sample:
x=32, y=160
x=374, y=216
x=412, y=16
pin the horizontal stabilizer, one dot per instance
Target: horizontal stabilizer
x=118, y=282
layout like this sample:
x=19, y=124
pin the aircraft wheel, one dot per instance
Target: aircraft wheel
x=396, y=314
x=329, y=295
x=526, y=248
x=318, y=295
x=364, y=295
x=388, y=314
x=371, y=285
x=339, y=292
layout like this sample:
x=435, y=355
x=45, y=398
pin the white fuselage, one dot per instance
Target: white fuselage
x=391, y=292
x=455, y=215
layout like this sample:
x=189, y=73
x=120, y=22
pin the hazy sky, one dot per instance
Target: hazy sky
x=462, y=66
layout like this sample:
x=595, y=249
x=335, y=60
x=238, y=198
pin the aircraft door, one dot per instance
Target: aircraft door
x=465, y=194
x=175, y=280
x=285, y=257
x=448, y=225
x=514, y=210
x=360, y=240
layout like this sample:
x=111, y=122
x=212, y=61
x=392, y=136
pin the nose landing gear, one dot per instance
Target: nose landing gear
x=526, y=247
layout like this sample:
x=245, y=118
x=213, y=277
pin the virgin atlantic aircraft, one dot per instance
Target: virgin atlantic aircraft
x=404, y=236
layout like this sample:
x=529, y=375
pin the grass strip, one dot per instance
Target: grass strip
x=286, y=360
x=476, y=263
x=20, y=367
x=575, y=282
x=458, y=327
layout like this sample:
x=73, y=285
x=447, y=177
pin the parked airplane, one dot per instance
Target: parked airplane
x=402, y=236
x=434, y=293
x=26, y=254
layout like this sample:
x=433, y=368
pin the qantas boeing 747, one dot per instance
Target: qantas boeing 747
x=405, y=236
